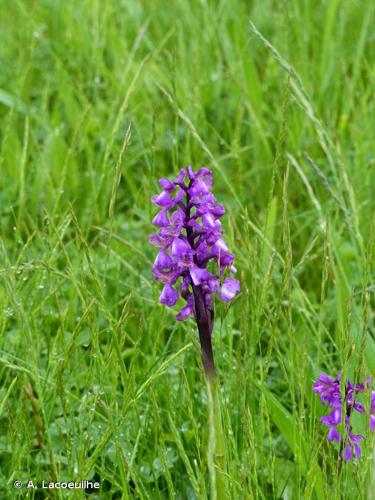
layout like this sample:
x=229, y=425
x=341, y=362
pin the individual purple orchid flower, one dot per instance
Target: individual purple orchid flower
x=352, y=445
x=329, y=389
x=330, y=395
x=193, y=260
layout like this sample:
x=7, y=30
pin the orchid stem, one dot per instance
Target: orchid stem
x=216, y=450
x=216, y=443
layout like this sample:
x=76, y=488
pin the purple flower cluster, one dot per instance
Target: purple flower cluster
x=189, y=240
x=372, y=412
x=330, y=394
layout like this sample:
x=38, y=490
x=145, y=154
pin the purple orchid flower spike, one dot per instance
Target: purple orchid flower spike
x=190, y=240
x=372, y=412
x=330, y=395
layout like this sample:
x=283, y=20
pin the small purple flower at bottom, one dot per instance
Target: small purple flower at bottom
x=330, y=396
x=372, y=412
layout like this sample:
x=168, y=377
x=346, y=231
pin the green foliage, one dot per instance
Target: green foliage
x=97, y=101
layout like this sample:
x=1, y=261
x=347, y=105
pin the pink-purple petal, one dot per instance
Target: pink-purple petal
x=229, y=288
x=185, y=313
x=168, y=296
x=161, y=219
x=333, y=434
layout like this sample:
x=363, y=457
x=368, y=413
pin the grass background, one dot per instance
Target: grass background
x=97, y=101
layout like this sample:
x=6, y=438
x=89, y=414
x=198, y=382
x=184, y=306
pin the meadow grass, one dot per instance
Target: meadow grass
x=98, y=381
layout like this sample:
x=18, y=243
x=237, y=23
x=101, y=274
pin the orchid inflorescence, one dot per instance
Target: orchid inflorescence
x=193, y=259
x=330, y=394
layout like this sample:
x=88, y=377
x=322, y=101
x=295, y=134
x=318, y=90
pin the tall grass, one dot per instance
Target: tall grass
x=97, y=101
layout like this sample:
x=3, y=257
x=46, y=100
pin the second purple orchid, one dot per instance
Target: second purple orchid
x=329, y=390
x=193, y=260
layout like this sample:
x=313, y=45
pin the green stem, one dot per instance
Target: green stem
x=216, y=443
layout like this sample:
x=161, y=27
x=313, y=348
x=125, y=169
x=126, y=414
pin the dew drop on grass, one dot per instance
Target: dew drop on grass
x=185, y=426
x=145, y=471
x=8, y=312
